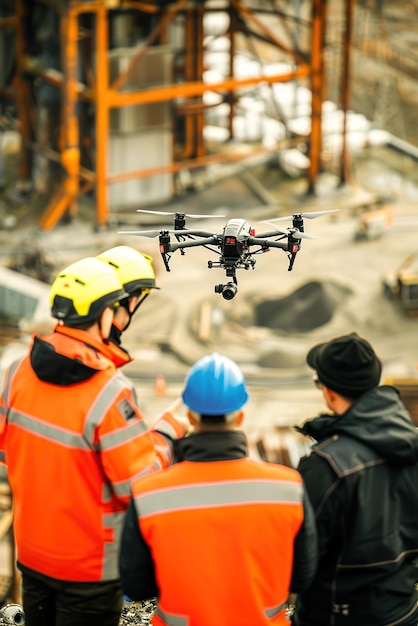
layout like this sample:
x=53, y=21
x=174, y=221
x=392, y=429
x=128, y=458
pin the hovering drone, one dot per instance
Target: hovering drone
x=236, y=245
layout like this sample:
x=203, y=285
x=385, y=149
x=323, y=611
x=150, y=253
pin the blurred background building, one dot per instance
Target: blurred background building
x=127, y=103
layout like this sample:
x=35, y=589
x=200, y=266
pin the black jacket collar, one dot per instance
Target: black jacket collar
x=213, y=446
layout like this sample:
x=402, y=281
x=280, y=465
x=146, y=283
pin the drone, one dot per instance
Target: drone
x=236, y=244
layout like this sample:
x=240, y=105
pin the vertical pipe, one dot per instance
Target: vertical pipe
x=70, y=132
x=23, y=95
x=164, y=32
x=231, y=96
x=317, y=78
x=189, y=64
x=194, y=117
x=296, y=35
x=200, y=117
x=345, y=89
x=102, y=115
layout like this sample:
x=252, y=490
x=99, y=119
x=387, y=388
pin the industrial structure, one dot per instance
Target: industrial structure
x=123, y=99
x=114, y=95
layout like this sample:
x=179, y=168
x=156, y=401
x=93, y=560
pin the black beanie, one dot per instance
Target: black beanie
x=348, y=365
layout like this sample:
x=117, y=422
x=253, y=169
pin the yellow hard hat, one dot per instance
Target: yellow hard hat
x=134, y=269
x=82, y=291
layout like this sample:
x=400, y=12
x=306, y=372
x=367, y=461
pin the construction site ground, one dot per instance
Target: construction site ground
x=335, y=286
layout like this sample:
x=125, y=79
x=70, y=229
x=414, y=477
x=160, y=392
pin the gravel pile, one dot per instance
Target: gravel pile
x=137, y=613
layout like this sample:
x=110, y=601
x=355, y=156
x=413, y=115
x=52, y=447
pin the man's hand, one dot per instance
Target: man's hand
x=174, y=408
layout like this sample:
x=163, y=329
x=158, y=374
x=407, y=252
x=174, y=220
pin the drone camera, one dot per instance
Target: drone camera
x=228, y=291
x=12, y=614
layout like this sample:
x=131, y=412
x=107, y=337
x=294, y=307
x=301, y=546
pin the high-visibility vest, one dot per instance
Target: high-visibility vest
x=71, y=454
x=221, y=534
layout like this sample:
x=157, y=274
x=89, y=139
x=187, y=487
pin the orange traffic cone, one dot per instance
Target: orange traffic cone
x=160, y=387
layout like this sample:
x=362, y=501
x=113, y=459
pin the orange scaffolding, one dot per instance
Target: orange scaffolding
x=188, y=89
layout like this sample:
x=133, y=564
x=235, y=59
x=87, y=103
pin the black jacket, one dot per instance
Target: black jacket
x=362, y=479
x=203, y=447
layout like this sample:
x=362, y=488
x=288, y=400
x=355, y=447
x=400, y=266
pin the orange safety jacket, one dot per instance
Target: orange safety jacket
x=73, y=438
x=221, y=535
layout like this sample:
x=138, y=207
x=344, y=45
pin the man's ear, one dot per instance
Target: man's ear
x=239, y=419
x=106, y=320
x=133, y=300
x=336, y=402
x=331, y=398
x=192, y=418
x=329, y=395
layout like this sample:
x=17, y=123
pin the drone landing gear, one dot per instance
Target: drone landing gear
x=294, y=247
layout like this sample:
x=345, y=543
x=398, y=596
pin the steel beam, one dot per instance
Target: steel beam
x=317, y=88
x=190, y=88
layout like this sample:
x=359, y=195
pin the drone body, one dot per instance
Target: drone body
x=234, y=242
x=236, y=245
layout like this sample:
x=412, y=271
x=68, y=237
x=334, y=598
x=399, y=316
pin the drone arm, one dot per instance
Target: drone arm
x=266, y=243
x=273, y=233
x=200, y=233
x=191, y=244
x=190, y=233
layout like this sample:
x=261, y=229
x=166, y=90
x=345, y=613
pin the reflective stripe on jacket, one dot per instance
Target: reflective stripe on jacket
x=71, y=452
x=222, y=538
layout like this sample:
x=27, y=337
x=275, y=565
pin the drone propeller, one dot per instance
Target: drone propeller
x=155, y=233
x=176, y=213
x=141, y=233
x=309, y=215
x=296, y=234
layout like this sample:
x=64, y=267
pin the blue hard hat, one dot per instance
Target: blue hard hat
x=215, y=386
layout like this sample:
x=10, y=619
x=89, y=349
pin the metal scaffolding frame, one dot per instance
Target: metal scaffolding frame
x=105, y=96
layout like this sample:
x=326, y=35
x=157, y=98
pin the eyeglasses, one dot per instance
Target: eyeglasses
x=317, y=382
x=114, y=307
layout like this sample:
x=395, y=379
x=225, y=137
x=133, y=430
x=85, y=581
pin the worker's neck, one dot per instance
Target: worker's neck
x=213, y=428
